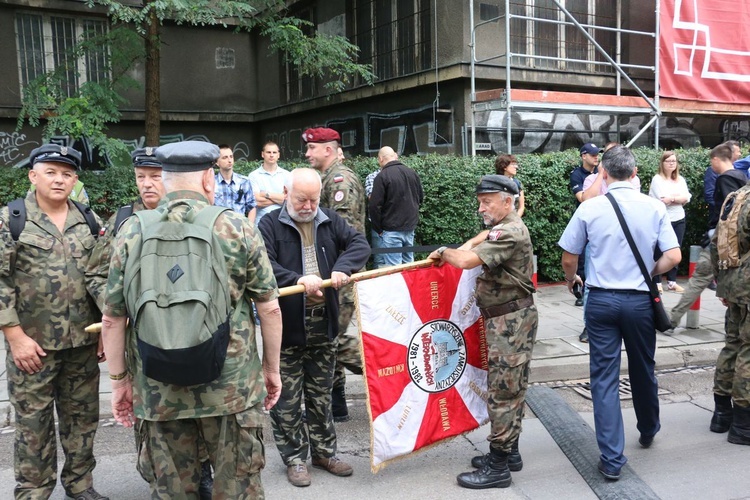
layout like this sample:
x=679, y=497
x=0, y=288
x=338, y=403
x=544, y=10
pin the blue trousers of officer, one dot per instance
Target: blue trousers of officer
x=613, y=317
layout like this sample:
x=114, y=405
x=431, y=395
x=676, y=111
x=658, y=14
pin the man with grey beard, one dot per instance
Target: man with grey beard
x=307, y=244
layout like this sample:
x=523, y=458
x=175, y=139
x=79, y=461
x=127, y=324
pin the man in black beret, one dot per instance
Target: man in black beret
x=174, y=411
x=44, y=310
x=504, y=296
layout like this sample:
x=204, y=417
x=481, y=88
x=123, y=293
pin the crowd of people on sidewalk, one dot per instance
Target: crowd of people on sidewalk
x=181, y=275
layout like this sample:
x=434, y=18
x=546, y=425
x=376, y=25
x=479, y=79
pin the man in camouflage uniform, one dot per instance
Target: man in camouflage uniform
x=227, y=412
x=151, y=191
x=504, y=296
x=342, y=192
x=732, y=378
x=44, y=308
x=306, y=245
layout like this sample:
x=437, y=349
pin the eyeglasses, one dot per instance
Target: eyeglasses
x=670, y=161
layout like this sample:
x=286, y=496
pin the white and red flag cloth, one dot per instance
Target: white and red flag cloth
x=425, y=359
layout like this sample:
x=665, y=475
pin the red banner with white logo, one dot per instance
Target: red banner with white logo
x=705, y=50
x=425, y=359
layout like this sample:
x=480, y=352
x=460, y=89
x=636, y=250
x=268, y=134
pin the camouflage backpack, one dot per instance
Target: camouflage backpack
x=727, y=240
x=177, y=293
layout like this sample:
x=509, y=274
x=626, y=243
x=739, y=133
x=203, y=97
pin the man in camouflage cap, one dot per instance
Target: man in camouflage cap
x=44, y=308
x=228, y=411
x=504, y=296
x=342, y=192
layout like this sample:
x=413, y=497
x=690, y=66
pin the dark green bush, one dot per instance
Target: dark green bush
x=448, y=214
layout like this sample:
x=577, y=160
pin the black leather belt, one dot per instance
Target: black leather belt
x=317, y=311
x=507, y=307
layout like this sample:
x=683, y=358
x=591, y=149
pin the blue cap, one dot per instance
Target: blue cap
x=187, y=156
x=590, y=148
x=54, y=153
x=145, y=157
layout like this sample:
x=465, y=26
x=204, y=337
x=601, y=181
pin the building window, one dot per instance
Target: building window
x=299, y=87
x=553, y=43
x=394, y=36
x=48, y=43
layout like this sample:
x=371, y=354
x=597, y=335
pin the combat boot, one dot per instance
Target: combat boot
x=515, y=462
x=739, y=431
x=338, y=404
x=722, y=417
x=494, y=474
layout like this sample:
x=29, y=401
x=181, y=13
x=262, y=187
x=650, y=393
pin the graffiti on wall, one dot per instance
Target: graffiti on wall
x=12, y=147
x=415, y=131
x=537, y=132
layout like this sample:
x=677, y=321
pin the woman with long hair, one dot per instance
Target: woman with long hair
x=670, y=188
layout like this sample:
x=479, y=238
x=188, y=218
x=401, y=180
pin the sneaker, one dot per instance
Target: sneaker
x=333, y=465
x=674, y=287
x=298, y=475
x=659, y=287
x=584, y=336
x=611, y=474
x=88, y=494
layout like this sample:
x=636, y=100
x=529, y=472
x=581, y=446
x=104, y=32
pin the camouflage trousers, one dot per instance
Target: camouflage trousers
x=510, y=341
x=69, y=383
x=306, y=372
x=732, y=375
x=347, y=356
x=169, y=455
x=699, y=281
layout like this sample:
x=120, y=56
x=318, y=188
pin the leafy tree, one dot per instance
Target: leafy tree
x=328, y=57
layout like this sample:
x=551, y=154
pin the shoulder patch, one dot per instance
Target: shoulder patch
x=1, y=223
x=101, y=231
x=338, y=196
x=337, y=179
x=494, y=234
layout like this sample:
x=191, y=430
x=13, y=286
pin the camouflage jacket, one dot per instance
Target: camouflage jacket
x=508, y=263
x=734, y=284
x=42, y=283
x=98, y=266
x=342, y=192
x=251, y=277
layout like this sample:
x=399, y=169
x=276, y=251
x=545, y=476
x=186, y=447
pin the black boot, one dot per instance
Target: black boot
x=515, y=462
x=739, y=431
x=338, y=404
x=722, y=418
x=494, y=474
x=207, y=482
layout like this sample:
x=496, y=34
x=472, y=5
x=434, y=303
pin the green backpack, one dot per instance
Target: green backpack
x=177, y=292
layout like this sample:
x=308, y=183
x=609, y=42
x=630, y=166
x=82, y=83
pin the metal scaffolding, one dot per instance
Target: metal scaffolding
x=511, y=99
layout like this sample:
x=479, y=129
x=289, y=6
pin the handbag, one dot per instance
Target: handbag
x=661, y=319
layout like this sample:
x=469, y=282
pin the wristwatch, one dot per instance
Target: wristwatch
x=441, y=250
x=268, y=197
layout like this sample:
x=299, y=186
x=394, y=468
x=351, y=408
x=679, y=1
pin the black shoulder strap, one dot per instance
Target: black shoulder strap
x=17, y=217
x=122, y=214
x=646, y=275
x=88, y=214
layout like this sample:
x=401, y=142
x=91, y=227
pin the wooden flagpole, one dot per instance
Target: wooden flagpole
x=365, y=275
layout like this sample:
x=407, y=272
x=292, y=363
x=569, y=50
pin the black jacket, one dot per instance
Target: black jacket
x=339, y=247
x=396, y=196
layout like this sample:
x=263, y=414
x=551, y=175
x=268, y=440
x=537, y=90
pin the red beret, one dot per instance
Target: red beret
x=321, y=135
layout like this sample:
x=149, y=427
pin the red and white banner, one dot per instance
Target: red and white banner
x=704, y=50
x=425, y=359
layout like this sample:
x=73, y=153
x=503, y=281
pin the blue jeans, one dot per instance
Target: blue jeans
x=611, y=318
x=392, y=239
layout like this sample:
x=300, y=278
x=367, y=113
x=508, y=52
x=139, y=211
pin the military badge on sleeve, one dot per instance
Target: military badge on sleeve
x=338, y=196
x=338, y=178
x=494, y=234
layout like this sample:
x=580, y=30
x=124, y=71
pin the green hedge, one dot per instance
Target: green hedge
x=448, y=214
